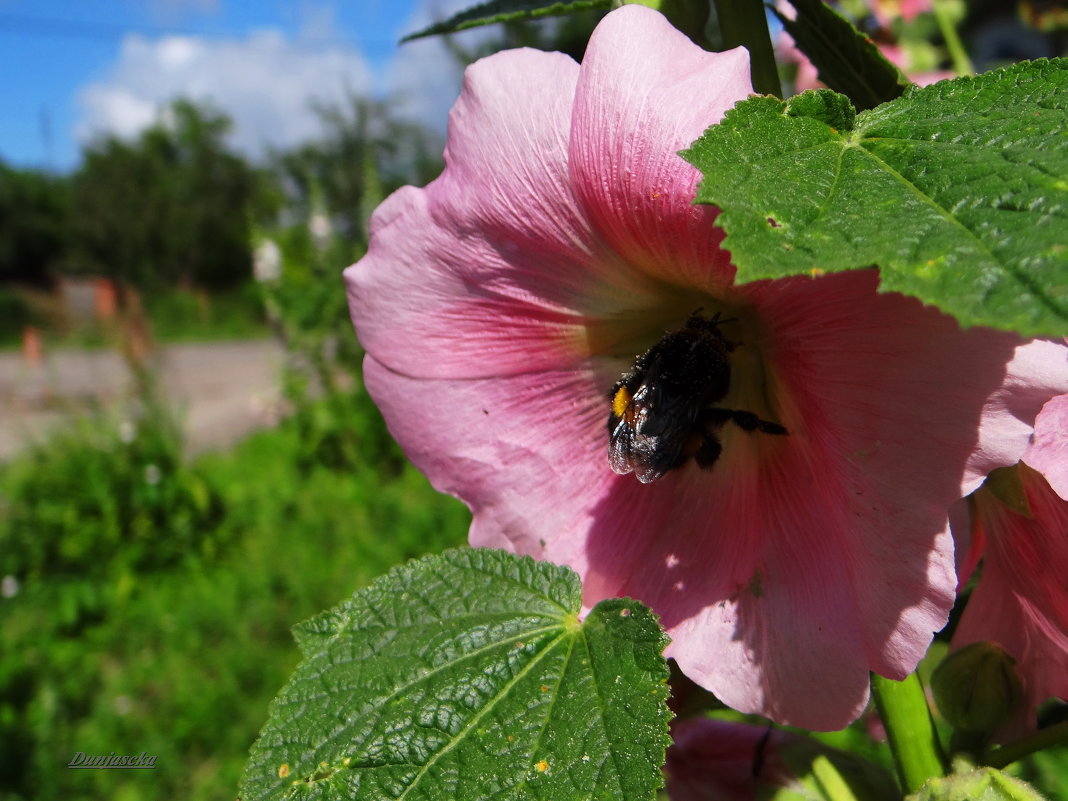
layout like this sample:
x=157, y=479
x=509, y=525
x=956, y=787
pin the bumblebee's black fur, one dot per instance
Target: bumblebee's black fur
x=664, y=409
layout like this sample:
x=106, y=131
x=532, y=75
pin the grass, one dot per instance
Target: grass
x=177, y=652
x=179, y=316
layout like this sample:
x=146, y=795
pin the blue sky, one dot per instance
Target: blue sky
x=72, y=69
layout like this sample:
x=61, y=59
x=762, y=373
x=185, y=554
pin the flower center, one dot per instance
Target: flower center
x=669, y=407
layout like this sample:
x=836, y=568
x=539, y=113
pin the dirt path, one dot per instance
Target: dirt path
x=223, y=390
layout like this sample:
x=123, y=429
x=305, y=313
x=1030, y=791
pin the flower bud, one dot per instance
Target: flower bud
x=977, y=687
x=985, y=783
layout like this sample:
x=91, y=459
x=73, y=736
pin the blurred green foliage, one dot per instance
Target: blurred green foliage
x=153, y=609
x=15, y=314
x=118, y=491
x=147, y=599
x=184, y=316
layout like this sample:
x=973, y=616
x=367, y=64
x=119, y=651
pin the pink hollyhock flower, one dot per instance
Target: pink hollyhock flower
x=1019, y=528
x=714, y=760
x=717, y=760
x=806, y=76
x=886, y=12
x=899, y=58
x=500, y=304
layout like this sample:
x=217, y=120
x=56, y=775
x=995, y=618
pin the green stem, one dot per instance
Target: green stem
x=913, y=740
x=833, y=786
x=744, y=22
x=962, y=65
x=1056, y=734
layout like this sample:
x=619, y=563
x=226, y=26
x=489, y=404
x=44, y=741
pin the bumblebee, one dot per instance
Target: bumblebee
x=664, y=409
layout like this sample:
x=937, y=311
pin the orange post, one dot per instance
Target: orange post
x=31, y=346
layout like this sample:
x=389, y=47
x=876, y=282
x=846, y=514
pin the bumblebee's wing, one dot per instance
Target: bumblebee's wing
x=650, y=436
x=621, y=446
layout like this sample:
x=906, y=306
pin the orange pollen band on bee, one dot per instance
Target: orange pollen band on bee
x=620, y=402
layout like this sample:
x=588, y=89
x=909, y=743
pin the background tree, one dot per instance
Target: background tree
x=33, y=225
x=363, y=153
x=171, y=208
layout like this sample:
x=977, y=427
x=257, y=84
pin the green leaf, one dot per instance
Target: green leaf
x=506, y=11
x=469, y=676
x=847, y=60
x=957, y=191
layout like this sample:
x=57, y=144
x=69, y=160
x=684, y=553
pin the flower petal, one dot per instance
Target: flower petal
x=1037, y=372
x=528, y=453
x=646, y=92
x=490, y=258
x=1021, y=600
x=1048, y=452
x=799, y=563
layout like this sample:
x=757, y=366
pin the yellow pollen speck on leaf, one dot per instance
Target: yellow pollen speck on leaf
x=816, y=272
x=620, y=402
x=283, y=771
x=542, y=766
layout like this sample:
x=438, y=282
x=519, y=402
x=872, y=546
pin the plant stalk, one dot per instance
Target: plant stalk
x=913, y=740
x=745, y=23
x=962, y=64
x=1056, y=734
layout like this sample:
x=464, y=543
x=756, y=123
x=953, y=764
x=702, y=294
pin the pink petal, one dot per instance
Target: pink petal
x=1048, y=452
x=644, y=93
x=526, y=452
x=1037, y=372
x=1021, y=601
x=492, y=257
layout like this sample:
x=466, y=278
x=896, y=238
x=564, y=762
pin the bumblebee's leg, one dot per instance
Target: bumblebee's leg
x=712, y=417
x=712, y=420
x=747, y=421
x=708, y=452
x=769, y=427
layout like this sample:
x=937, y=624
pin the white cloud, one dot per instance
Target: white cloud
x=265, y=82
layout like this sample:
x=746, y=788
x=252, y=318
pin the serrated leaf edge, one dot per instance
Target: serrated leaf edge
x=462, y=20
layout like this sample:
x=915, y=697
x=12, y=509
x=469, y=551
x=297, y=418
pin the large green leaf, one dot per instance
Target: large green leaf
x=506, y=11
x=957, y=191
x=469, y=676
